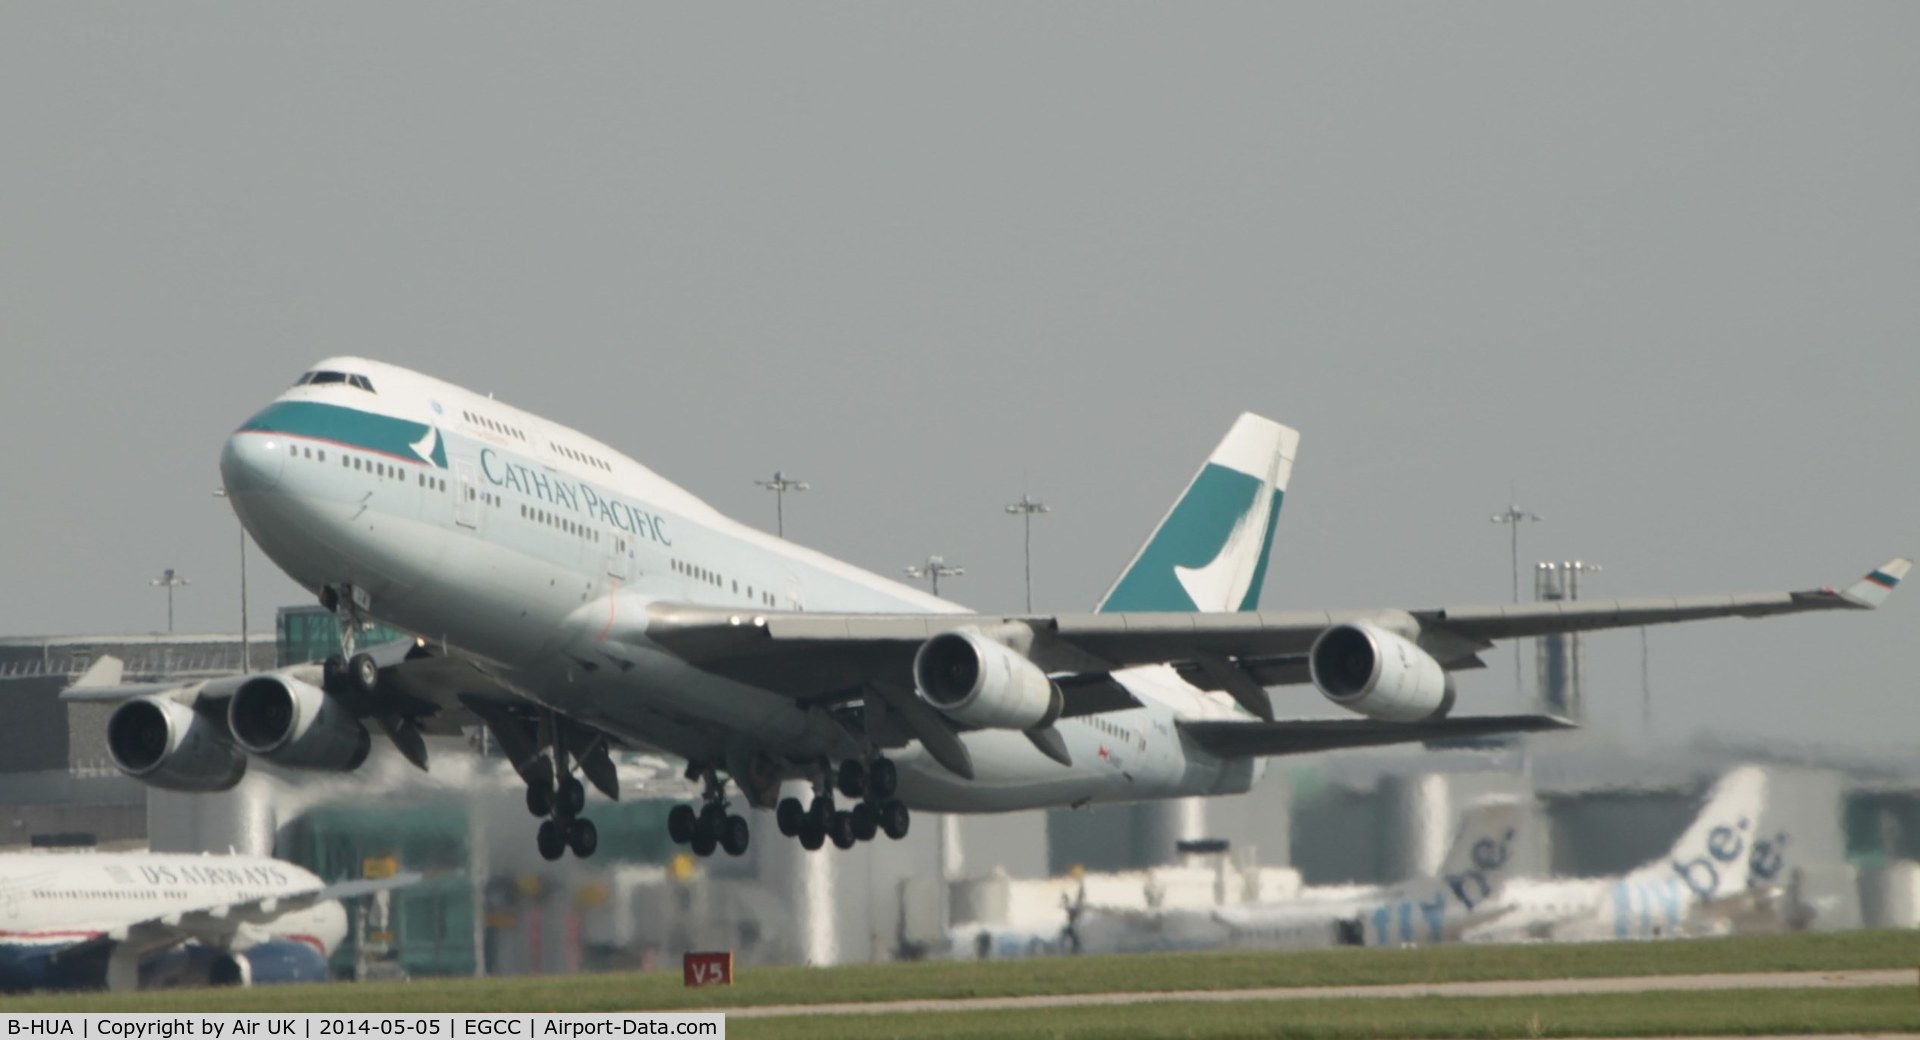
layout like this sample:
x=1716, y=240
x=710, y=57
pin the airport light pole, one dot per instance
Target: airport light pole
x=169, y=580
x=1513, y=518
x=246, y=647
x=780, y=484
x=933, y=570
x=1024, y=509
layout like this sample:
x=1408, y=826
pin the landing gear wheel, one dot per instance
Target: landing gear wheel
x=882, y=779
x=841, y=830
x=552, y=840
x=704, y=842
x=583, y=837
x=812, y=835
x=789, y=815
x=866, y=821
x=573, y=796
x=820, y=813
x=733, y=836
x=894, y=819
x=680, y=824
x=853, y=778
x=540, y=799
x=365, y=674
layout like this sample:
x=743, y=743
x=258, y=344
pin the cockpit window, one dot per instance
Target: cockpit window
x=315, y=378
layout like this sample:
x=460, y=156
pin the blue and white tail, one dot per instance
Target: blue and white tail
x=1209, y=553
x=1712, y=856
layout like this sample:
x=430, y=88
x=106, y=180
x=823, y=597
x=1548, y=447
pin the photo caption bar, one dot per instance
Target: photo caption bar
x=358, y=1026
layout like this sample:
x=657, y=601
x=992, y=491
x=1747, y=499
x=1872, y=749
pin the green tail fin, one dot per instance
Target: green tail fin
x=1210, y=551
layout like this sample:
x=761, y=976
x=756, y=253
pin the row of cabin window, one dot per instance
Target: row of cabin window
x=702, y=574
x=560, y=523
x=381, y=469
x=579, y=456
x=1118, y=731
x=378, y=469
x=497, y=427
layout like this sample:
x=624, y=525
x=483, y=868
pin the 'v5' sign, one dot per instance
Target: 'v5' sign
x=707, y=969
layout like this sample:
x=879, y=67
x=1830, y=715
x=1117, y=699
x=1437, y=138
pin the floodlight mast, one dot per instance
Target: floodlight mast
x=246, y=648
x=933, y=570
x=169, y=580
x=780, y=484
x=1024, y=509
x=1513, y=518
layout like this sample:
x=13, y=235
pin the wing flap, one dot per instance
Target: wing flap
x=1230, y=738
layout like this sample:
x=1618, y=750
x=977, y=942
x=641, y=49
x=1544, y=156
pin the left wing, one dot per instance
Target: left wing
x=1234, y=738
x=826, y=657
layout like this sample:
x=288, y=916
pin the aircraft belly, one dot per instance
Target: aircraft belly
x=1011, y=774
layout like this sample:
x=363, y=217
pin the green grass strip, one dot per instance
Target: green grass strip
x=662, y=990
x=1729, y=1013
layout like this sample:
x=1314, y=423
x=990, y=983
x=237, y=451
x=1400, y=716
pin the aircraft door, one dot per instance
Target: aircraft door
x=617, y=556
x=466, y=497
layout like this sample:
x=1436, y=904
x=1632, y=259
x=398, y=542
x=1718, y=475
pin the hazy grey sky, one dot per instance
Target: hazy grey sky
x=1654, y=265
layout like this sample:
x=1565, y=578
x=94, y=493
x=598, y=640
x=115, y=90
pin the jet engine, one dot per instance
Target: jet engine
x=265, y=963
x=984, y=684
x=269, y=963
x=169, y=745
x=1384, y=676
x=292, y=723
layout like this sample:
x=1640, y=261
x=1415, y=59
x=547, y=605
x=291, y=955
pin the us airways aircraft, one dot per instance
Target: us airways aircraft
x=133, y=920
x=1680, y=893
x=574, y=602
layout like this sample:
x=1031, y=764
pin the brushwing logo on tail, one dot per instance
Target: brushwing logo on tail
x=1223, y=584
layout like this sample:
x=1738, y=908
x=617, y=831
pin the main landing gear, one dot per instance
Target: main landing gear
x=877, y=810
x=712, y=826
x=561, y=803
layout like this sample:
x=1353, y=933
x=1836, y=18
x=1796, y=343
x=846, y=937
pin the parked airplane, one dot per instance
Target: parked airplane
x=1419, y=910
x=85, y=920
x=572, y=600
x=1689, y=890
x=1425, y=910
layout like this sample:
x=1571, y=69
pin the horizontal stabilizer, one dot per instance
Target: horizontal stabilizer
x=1245, y=739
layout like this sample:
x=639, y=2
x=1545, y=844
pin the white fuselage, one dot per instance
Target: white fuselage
x=515, y=541
x=58, y=899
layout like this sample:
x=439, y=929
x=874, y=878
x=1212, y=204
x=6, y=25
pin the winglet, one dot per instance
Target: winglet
x=1873, y=590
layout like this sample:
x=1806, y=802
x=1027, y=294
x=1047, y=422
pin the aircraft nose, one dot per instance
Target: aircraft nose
x=252, y=461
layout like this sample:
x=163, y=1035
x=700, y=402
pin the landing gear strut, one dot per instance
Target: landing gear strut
x=711, y=826
x=554, y=792
x=871, y=784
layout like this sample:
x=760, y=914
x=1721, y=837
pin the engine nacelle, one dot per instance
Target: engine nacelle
x=169, y=745
x=292, y=723
x=268, y=964
x=1379, y=674
x=984, y=684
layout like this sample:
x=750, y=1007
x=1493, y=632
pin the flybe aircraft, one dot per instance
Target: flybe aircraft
x=1710, y=865
x=1431, y=909
x=133, y=920
x=574, y=602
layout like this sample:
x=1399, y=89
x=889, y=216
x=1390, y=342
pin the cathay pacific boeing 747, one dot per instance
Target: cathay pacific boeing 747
x=574, y=602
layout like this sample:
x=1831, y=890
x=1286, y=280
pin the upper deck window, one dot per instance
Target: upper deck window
x=316, y=378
